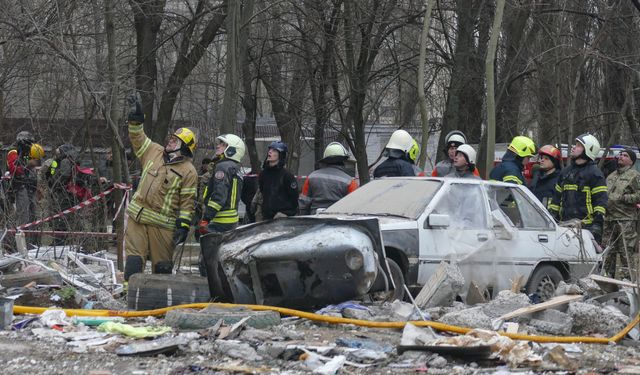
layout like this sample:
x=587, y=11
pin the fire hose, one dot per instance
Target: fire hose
x=335, y=320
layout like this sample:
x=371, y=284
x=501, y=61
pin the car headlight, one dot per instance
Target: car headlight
x=354, y=259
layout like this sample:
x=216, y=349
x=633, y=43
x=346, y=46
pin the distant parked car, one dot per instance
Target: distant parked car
x=495, y=232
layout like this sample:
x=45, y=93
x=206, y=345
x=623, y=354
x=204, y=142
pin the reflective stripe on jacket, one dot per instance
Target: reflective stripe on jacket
x=166, y=190
x=324, y=187
x=223, y=192
x=543, y=185
x=509, y=170
x=580, y=193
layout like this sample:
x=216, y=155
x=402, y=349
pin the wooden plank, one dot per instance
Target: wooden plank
x=430, y=287
x=609, y=280
x=557, y=301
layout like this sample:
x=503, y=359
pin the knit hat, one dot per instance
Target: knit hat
x=632, y=155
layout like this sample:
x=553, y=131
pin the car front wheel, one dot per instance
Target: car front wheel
x=544, y=281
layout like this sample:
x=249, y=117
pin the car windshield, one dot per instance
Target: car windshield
x=388, y=197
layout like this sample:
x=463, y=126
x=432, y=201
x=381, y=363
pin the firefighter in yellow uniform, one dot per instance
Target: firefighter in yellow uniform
x=161, y=209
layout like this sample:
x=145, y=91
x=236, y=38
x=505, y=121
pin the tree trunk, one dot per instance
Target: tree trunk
x=422, y=100
x=249, y=97
x=465, y=95
x=112, y=116
x=187, y=60
x=147, y=18
x=490, y=70
x=232, y=70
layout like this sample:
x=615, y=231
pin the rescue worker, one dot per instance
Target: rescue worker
x=452, y=141
x=581, y=190
x=222, y=194
x=329, y=183
x=621, y=222
x=544, y=179
x=23, y=176
x=161, y=209
x=397, y=152
x=514, y=159
x=464, y=163
x=277, y=188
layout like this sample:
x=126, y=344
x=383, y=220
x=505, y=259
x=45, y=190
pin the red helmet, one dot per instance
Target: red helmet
x=551, y=151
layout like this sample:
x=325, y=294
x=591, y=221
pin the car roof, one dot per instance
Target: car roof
x=470, y=181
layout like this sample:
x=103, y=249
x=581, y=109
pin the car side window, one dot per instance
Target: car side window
x=502, y=198
x=518, y=208
x=464, y=204
x=532, y=218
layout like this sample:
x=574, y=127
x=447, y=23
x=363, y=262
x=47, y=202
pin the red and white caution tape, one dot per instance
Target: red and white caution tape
x=57, y=233
x=77, y=207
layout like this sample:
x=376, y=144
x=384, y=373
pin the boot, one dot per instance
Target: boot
x=134, y=264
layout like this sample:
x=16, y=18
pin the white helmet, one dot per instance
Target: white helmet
x=591, y=145
x=455, y=136
x=468, y=151
x=235, y=146
x=335, y=149
x=400, y=140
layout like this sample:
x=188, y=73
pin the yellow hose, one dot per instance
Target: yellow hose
x=334, y=320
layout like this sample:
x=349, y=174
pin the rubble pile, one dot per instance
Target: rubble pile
x=220, y=338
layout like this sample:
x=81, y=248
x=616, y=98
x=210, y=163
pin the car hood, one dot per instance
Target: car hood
x=386, y=222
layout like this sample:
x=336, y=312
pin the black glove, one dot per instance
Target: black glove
x=136, y=114
x=596, y=230
x=180, y=235
x=181, y=232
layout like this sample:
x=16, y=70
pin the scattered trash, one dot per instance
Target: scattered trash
x=332, y=366
x=96, y=321
x=6, y=312
x=54, y=317
x=131, y=331
x=167, y=345
x=358, y=343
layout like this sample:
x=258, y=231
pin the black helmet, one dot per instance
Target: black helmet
x=281, y=147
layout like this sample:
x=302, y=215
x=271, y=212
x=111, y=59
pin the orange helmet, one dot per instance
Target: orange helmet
x=553, y=152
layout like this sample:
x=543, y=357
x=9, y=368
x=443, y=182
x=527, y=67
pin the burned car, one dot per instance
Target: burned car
x=293, y=262
x=495, y=232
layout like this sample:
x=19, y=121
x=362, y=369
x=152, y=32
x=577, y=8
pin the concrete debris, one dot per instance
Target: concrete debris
x=589, y=319
x=567, y=289
x=474, y=317
x=237, y=349
x=403, y=311
x=506, y=301
x=551, y=322
x=590, y=287
x=442, y=288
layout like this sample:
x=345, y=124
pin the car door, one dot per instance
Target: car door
x=528, y=235
x=455, y=228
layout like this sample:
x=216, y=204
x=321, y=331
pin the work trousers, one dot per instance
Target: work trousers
x=149, y=242
x=617, y=234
